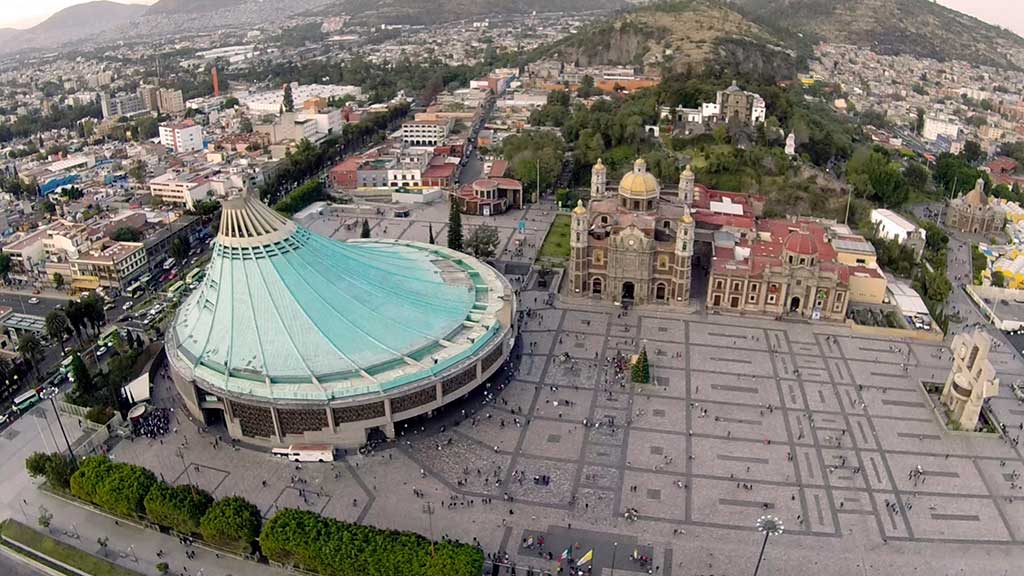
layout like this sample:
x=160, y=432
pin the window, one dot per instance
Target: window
x=839, y=297
x=604, y=220
x=752, y=298
x=719, y=284
x=802, y=261
x=771, y=298
x=662, y=262
x=737, y=286
x=598, y=256
x=666, y=225
x=716, y=300
x=754, y=286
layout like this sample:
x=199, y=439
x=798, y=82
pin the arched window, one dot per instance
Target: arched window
x=660, y=291
x=595, y=286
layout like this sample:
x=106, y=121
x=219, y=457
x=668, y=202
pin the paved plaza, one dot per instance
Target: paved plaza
x=807, y=422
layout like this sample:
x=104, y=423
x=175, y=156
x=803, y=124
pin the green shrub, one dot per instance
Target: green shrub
x=99, y=414
x=231, y=522
x=328, y=546
x=180, y=508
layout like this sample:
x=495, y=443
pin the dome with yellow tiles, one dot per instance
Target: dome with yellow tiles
x=639, y=184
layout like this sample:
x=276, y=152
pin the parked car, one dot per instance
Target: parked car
x=33, y=300
x=127, y=305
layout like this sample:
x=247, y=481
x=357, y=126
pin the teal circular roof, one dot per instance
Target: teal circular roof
x=284, y=313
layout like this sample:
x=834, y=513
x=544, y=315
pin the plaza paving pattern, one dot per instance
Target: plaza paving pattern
x=807, y=422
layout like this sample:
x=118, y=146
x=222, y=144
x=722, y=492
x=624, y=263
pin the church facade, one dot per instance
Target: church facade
x=975, y=213
x=631, y=246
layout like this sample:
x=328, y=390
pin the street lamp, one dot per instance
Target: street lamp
x=615, y=550
x=769, y=526
x=50, y=393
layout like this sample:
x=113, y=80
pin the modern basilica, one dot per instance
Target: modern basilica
x=630, y=246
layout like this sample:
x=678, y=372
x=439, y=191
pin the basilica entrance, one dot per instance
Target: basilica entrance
x=794, y=304
x=628, y=290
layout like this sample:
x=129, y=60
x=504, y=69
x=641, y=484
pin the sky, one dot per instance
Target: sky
x=26, y=13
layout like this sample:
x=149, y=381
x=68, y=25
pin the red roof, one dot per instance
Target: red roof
x=439, y=171
x=800, y=242
x=498, y=169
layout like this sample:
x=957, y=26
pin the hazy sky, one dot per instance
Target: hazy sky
x=25, y=13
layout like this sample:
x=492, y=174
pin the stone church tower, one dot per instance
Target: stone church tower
x=686, y=181
x=683, y=255
x=598, y=180
x=579, y=236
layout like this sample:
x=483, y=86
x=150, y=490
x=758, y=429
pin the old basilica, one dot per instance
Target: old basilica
x=633, y=247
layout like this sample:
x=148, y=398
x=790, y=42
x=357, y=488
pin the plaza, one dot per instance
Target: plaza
x=809, y=422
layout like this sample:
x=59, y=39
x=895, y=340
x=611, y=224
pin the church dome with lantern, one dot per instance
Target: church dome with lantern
x=639, y=184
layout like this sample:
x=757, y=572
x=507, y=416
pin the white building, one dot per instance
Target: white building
x=424, y=134
x=180, y=188
x=892, y=226
x=185, y=136
x=327, y=121
x=935, y=126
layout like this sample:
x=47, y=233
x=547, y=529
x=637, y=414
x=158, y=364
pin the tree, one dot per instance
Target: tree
x=919, y=123
x=45, y=517
x=163, y=568
x=58, y=280
x=328, y=546
x=641, y=371
x=365, y=231
x=179, y=249
x=917, y=176
x=57, y=326
x=31, y=350
x=56, y=468
x=126, y=234
x=245, y=125
x=972, y=152
x=180, y=508
x=454, y=226
x=5, y=267
x=288, y=103
x=137, y=172
x=483, y=241
x=998, y=279
x=586, y=89
x=84, y=387
x=229, y=103
x=231, y=522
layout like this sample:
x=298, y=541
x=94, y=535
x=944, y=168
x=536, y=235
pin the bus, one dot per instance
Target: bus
x=169, y=263
x=194, y=275
x=23, y=402
x=306, y=452
x=175, y=288
x=65, y=364
x=135, y=290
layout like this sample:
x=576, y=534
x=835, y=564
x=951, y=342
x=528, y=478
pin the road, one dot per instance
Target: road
x=19, y=302
x=10, y=567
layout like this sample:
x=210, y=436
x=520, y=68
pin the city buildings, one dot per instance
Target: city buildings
x=109, y=264
x=122, y=105
x=181, y=137
x=293, y=337
x=171, y=101
x=973, y=212
x=425, y=134
x=272, y=101
x=180, y=187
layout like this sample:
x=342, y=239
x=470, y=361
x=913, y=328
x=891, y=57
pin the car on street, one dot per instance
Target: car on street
x=33, y=300
x=127, y=305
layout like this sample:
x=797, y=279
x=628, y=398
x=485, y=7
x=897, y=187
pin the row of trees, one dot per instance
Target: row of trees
x=328, y=546
x=304, y=195
x=134, y=492
x=482, y=242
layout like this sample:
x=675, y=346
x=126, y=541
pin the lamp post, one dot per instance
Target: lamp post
x=615, y=550
x=769, y=526
x=50, y=394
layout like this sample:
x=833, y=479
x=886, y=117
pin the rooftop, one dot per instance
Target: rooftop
x=284, y=313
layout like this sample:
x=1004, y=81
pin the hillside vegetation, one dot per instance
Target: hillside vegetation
x=916, y=27
x=682, y=35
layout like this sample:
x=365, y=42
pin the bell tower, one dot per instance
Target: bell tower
x=686, y=180
x=578, y=240
x=598, y=180
x=684, y=257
